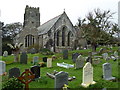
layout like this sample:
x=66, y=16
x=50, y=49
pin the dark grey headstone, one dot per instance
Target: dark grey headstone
x=14, y=72
x=35, y=70
x=74, y=56
x=61, y=78
x=107, y=71
x=23, y=58
x=65, y=54
x=44, y=59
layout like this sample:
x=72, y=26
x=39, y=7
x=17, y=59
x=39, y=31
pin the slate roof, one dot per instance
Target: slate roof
x=44, y=28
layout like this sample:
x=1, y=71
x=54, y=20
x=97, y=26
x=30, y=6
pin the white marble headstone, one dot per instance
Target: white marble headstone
x=87, y=75
x=2, y=67
x=49, y=62
x=107, y=72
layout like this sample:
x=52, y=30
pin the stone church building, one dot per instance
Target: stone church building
x=55, y=34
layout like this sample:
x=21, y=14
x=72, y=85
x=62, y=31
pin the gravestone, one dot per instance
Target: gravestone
x=79, y=62
x=107, y=72
x=44, y=59
x=116, y=55
x=35, y=59
x=105, y=56
x=23, y=58
x=102, y=50
x=2, y=67
x=96, y=61
x=14, y=72
x=61, y=78
x=35, y=70
x=32, y=51
x=5, y=53
x=49, y=62
x=26, y=77
x=87, y=75
x=74, y=56
x=65, y=54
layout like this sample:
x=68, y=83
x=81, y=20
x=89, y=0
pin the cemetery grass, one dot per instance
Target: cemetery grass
x=46, y=82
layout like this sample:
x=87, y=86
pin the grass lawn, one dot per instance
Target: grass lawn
x=46, y=82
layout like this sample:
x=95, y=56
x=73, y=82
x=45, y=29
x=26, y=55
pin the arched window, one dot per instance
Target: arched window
x=63, y=36
x=69, y=34
x=29, y=40
x=58, y=38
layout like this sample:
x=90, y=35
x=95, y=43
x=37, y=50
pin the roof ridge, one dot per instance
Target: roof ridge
x=50, y=19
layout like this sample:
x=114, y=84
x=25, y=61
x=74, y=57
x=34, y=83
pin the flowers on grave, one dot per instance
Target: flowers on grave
x=42, y=64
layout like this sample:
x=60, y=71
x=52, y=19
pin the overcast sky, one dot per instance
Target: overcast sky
x=13, y=10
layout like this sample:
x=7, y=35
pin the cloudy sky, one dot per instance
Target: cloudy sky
x=13, y=10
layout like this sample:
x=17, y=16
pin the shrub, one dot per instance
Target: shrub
x=12, y=83
x=46, y=51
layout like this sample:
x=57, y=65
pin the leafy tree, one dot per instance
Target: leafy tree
x=8, y=33
x=98, y=27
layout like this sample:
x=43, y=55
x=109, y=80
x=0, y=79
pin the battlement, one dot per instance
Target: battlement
x=31, y=17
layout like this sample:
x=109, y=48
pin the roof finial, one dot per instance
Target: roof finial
x=64, y=9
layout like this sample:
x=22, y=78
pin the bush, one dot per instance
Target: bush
x=12, y=83
x=46, y=51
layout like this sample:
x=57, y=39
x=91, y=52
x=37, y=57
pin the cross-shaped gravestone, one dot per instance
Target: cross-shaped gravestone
x=26, y=77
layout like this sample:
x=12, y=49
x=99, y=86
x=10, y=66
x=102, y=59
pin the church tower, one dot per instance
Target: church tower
x=31, y=17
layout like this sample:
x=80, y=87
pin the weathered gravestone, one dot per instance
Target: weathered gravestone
x=35, y=59
x=44, y=59
x=65, y=54
x=74, y=56
x=49, y=62
x=116, y=55
x=79, y=62
x=32, y=51
x=102, y=50
x=61, y=78
x=107, y=72
x=2, y=67
x=35, y=70
x=87, y=75
x=14, y=72
x=96, y=61
x=105, y=56
x=5, y=53
x=23, y=58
